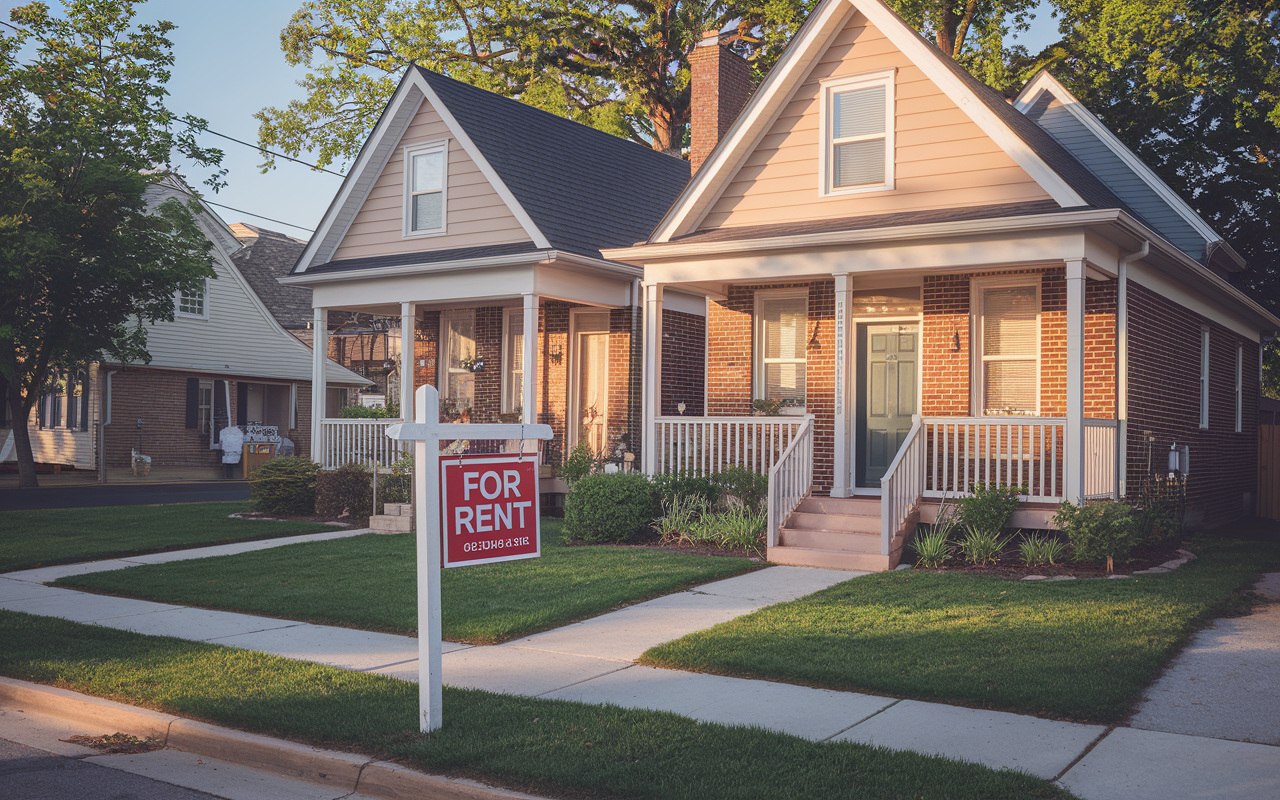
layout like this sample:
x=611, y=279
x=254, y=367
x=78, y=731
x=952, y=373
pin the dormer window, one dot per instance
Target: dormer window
x=425, y=168
x=857, y=134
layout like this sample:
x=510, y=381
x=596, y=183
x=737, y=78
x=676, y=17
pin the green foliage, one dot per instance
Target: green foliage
x=606, y=508
x=738, y=528
x=84, y=134
x=981, y=545
x=392, y=411
x=285, y=486
x=749, y=488
x=932, y=548
x=347, y=489
x=680, y=516
x=1098, y=531
x=1160, y=507
x=578, y=464
x=1040, y=549
x=989, y=507
x=768, y=408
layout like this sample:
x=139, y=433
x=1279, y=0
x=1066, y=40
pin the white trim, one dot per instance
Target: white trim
x=977, y=358
x=1045, y=82
x=204, y=304
x=1204, y=377
x=1239, y=387
x=757, y=342
x=828, y=89
x=442, y=348
x=411, y=152
x=506, y=359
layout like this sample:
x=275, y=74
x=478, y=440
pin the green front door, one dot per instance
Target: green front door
x=889, y=354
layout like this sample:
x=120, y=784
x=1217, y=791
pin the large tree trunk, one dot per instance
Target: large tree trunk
x=21, y=413
x=667, y=133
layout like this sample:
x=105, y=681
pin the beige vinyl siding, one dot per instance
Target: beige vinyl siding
x=476, y=215
x=942, y=159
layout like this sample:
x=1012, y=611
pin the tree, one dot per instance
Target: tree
x=84, y=263
x=973, y=31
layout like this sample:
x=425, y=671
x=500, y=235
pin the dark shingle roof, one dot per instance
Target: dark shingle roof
x=268, y=256
x=423, y=257
x=583, y=188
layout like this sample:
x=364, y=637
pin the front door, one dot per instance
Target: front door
x=591, y=384
x=890, y=355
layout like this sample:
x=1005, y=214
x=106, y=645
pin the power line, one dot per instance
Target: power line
x=259, y=216
x=272, y=152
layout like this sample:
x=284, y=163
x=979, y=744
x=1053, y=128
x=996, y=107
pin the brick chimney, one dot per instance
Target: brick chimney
x=720, y=86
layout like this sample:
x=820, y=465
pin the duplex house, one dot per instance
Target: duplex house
x=883, y=283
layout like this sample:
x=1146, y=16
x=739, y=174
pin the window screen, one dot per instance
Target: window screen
x=1010, y=357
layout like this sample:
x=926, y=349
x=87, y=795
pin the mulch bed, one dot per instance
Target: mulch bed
x=1010, y=564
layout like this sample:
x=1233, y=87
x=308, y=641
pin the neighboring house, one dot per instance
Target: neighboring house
x=884, y=283
x=223, y=360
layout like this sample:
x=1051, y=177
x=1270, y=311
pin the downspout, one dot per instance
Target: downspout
x=103, y=421
x=1122, y=364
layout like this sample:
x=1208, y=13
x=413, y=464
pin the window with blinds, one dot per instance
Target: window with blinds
x=1010, y=350
x=513, y=363
x=780, y=350
x=425, y=178
x=858, y=133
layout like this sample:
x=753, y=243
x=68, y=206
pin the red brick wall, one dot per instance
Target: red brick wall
x=684, y=362
x=1164, y=398
x=945, y=388
x=1100, y=349
x=720, y=87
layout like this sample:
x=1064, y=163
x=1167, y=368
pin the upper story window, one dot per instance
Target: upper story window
x=781, y=322
x=1007, y=357
x=857, y=134
x=192, y=303
x=425, y=168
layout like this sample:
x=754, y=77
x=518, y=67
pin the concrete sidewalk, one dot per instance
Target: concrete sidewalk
x=593, y=662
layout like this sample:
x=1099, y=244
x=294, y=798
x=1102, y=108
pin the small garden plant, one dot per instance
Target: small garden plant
x=285, y=486
x=1038, y=550
x=1097, y=531
x=989, y=507
x=981, y=546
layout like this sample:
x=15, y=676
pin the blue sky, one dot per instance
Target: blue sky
x=229, y=65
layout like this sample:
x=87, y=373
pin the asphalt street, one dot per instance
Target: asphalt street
x=121, y=495
x=27, y=773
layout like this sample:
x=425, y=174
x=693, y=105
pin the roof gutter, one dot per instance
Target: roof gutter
x=628, y=271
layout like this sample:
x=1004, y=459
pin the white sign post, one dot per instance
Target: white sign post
x=426, y=436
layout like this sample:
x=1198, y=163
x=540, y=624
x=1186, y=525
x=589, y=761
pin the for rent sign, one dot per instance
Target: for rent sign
x=489, y=505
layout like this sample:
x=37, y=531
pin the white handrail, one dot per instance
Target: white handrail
x=902, y=485
x=790, y=479
x=357, y=441
x=710, y=444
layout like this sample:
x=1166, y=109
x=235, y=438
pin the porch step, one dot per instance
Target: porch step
x=397, y=509
x=828, y=559
x=385, y=523
x=851, y=523
x=819, y=539
x=851, y=506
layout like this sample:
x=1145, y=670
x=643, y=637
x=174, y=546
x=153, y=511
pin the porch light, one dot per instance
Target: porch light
x=556, y=353
x=956, y=344
x=680, y=407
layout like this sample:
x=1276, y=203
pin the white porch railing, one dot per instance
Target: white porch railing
x=709, y=444
x=902, y=485
x=1100, y=459
x=790, y=478
x=357, y=441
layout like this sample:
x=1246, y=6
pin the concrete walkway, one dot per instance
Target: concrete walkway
x=593, y=662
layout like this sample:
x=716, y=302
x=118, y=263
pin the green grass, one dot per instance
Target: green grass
x=369, y=582
x=1081, y=650
x=62, y=536
x=550, y=747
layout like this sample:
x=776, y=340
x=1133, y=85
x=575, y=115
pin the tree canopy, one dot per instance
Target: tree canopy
x=84, y=262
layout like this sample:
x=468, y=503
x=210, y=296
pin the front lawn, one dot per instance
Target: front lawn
x=368, y=582
x=550, y=747
x=1079, y=649
x=63, y=536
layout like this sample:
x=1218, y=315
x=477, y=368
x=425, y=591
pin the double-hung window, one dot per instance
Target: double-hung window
x=1007, y=360
x=856, y=121
x=513, y=362
x=425, y=179
x=781, y=320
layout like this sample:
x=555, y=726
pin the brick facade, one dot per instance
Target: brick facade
x=720, y=87
x=684, y=363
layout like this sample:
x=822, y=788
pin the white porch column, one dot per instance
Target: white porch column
x=529, y=398
x=319, y=388
x=408, y=320
x=1073, y=452
x=652, y=380
x=842, y=484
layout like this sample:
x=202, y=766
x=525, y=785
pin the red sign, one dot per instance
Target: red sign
x=490, y=508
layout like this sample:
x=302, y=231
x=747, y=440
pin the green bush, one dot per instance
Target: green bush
x=285, y=486
x=981, y=546
x=605, y=508
x=680, y=516
x=989, y=507
x=348, y=488
x=932, y=548
x=735, y=528
x=1040, y=549
x=578, y=465
x=685, y=484
x=1097, y=531
x=750, y=488
x=392, y=411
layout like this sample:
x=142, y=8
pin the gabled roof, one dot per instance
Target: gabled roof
x=572, y=187
x=268, y=255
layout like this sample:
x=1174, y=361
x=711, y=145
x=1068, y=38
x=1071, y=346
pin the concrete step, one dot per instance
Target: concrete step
x=808, y=520
x=830, y=540
x=828, y=559
x=385, y=523
x=852, y=506
x=397, y=509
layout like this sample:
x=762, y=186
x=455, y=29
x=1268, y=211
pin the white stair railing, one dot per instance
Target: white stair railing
x=357, y=441
x=709, y=444
x=902, y=485
x=790, y=478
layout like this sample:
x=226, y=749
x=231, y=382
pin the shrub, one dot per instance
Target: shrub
x=348, y=488
x=685, y=484
x=735, y=528
x=749, y=488
x=604, y=508
x=981, y=546
x=364, y=412
x=989, y=507
x=679, y=518
x=578, y=465
x=932, y=549
x=1040, y=549
x=398, y=486
x=1098, y=531
x=285, y=486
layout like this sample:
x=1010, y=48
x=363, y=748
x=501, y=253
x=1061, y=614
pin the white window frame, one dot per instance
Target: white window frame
x=1239, y=387
x=438, y=146
x=204, y=303
x=1204, y=377
x=827, y=143
x=977, y=357
x=507, y=361
x=442, y=372
x=758, y=360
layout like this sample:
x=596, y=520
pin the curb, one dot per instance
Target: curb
x=331, y=768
